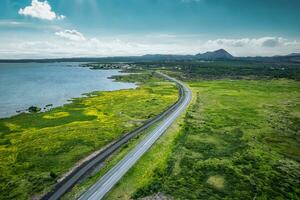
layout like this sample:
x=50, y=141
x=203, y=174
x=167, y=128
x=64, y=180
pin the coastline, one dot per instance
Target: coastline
x=47, y=106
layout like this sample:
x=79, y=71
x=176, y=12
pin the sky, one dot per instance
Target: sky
x=98, y=28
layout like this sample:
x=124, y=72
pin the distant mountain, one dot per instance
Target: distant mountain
x=220, y=54
x=215, y=55
x=290, y=58
x=293, y=57
x=293, y=54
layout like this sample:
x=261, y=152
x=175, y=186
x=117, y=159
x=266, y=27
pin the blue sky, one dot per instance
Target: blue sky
x=64, y=28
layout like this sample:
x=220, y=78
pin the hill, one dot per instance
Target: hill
x=215, y=55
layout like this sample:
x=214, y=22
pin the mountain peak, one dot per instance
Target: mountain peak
x=218, y=54
x=221, y=51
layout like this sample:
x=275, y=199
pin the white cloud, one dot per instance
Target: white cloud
x=72, y=35
x=254, y=42
x=264, y=46
x=9, y=23
x=272, y=41
x=91, y=47
x=76, y=45
x=41, y=10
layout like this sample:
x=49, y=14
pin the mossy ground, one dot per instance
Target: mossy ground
x=36, y=149
x=239, y=140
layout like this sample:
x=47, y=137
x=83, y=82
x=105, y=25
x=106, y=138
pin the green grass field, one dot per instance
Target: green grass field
x=36, y=149
x=239, y=140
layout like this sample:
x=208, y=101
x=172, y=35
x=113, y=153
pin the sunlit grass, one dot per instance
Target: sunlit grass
x=36, y=149
x=240, y=140
x=143, y=171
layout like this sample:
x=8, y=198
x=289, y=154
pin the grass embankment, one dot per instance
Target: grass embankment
x=153, y=161
x=36, y=149
x=240, y=140
x=130, y=186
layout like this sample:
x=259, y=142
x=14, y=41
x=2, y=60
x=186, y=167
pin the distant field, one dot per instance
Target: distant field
x=212, y=70
x=239, y=140
x=36, y=149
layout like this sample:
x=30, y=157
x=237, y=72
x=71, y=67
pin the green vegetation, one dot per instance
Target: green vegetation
x=240, y=140
x=139, y=175
x=92, y=178
x=36, y=149
x=154, y=160
x=193, y=70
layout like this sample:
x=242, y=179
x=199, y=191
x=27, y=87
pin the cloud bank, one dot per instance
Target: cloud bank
x=41, y=10
x=255, y=42
x=264, y=46
x=72, y=35
x=75, y=44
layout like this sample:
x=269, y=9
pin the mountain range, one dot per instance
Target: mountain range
x=217, y=55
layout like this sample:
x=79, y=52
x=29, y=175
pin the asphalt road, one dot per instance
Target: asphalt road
x=85, y=168
x=105, y=184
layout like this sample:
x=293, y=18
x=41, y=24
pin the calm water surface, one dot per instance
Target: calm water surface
x=25, y=84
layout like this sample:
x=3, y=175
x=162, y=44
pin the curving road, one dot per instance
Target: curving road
x=105, y=184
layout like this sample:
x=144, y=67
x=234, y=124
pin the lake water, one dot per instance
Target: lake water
x=34, y=84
